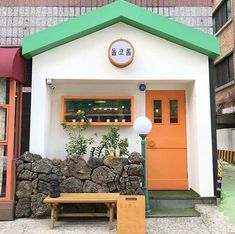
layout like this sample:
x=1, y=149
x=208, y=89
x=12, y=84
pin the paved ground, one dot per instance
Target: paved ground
x=228, y=192
x=212, y=221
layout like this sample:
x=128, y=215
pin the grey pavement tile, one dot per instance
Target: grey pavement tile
x=211, y=221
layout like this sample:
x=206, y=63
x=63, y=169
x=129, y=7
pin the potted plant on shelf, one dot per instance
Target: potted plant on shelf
x=111, y=144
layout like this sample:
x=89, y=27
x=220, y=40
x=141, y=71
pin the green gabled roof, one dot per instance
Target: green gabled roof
x=121, y=11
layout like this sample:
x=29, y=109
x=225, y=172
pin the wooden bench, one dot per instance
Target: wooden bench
x=109, y=199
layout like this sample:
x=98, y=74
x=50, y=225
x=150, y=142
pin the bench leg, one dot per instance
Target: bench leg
x=56, y=212
x=53, y=215
x=111, y=214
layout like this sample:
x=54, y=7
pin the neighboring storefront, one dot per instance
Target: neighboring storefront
x=97, y=63
x=11, y=79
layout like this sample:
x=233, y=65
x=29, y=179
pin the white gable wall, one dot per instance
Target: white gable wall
x=160, y=63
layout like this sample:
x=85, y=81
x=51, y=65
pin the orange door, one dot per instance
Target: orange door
x=166, y=143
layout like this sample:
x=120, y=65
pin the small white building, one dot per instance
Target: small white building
x=97, y=62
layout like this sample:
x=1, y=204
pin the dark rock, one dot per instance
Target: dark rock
x=112, y=186
x=56, y=162
x=38, y=207
x=117, y=184
x=102, y=175
x=117, y=177
x=103, y=188
x=19, y=162
x=43, y=187
x=126, y=167
x=35, y=183
x=125, y=161
x=55, y=170
x=25, y=175
x=24, y=189
x=139, y=191
x=80, y=169
x=23, y=208
x=91, y=187
x=122, y=183
x=19, y=168
x=64, y=168
x=136, y=170
x=115, y=163
x=42, y=166
x=128, y=185
x=28, y=166
x=124, y=174
x=126, y=192
x=27, y=157
x=36, y=157
x=132, y=191
x=76, y=167
x=71, y=185
x=136, y=158
x=44, y=177
x=135, y=182
x=34, y=176
x=94, y=162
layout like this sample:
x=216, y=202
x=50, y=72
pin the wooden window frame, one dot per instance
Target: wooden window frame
x=225, y=66
x=221, y=15
x=131, y=98
x=10, y=142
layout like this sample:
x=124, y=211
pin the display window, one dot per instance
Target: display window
x=98, y=110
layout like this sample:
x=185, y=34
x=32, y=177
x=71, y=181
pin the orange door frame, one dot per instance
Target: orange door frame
x=9, y=141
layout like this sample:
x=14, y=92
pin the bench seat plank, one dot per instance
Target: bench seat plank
x=83, y=198
x=109, y=199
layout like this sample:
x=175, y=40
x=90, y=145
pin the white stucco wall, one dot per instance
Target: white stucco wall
x=161, y=64
x=226, y=139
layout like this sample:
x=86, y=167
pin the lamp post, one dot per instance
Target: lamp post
x=143, y=126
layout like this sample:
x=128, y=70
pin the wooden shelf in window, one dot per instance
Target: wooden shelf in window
x=102, y=123
x=98, y=108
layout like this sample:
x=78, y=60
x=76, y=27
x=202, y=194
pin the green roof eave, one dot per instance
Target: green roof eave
x=121, y=11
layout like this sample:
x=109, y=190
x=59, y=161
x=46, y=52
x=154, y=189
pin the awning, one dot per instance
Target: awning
x=12, y=64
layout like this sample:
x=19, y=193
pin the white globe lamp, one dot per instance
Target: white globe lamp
x=142, y=125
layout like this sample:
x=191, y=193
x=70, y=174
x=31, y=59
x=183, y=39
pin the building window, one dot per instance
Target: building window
x=4, y=101
x=157, y=111
x=3, y=170
x=173, y=111
x=224, y=71
x=98, y=110
x=222, y=15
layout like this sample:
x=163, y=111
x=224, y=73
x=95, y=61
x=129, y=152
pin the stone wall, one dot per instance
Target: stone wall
x=123, y=175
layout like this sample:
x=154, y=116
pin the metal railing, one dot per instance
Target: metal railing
x=226, y=155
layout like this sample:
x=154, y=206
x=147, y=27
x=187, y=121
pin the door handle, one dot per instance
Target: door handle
x=150, y=144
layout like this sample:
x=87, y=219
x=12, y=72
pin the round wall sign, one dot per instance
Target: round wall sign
x=121, y=53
